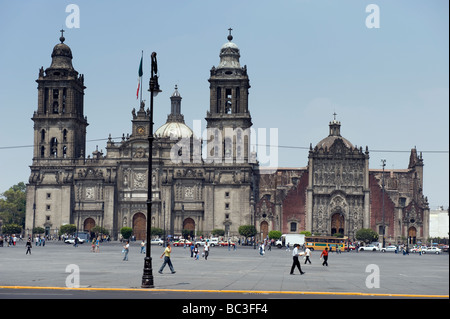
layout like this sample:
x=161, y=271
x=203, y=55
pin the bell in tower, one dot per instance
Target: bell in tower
x=59, y=122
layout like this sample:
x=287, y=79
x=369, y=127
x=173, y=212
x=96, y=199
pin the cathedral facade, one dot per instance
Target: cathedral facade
x=201, y=185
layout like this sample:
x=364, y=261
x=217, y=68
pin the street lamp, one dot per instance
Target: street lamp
x=147, y=277
x=383, y=161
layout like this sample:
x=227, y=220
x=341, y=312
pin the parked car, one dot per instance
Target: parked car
x=417, y=249
x=351, y=247
x=72, y=241
x=432, y=250
x=157, y=241
x=213, y=241
x=182, y=242
x=392, y=248
x=225, y=244
x=369, y=247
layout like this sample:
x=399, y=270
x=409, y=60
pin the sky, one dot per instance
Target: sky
x=383, y=71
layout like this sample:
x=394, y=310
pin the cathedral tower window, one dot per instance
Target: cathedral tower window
x=54, y=147
x=228, y=102
x=64, y=100
x=45, y=100
x=42, y=151
x=55, y=101
x=43, y=136
x=64, y=136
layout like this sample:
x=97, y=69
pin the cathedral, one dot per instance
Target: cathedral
x=200, y=184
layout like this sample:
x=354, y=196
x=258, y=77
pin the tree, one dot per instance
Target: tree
x=218, y=232
x=11, y=229
x=126, y=232
x=99, y=230
x=67, y=229
x=155, y=231
x=13, y=205
x=247, y=230
x=367, y=235
x=274, y=234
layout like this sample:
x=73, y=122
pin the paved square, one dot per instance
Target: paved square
x=243, y=270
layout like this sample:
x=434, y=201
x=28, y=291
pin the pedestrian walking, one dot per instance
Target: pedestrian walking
x=324, y=254
x=143, y=246
x=125, y=250
x=196, y=252
x=295, y=262
x=206, y=250
x=167, y=260
x=28, y=245
x=307, y=255
x=97, y=245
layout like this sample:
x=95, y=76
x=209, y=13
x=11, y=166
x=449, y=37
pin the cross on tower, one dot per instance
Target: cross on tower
x=334, y=114
x=62, y=36
x=230, y=37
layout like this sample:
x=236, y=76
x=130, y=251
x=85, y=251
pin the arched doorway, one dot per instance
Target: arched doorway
x=139, y=226
x=337, y=224
x=88, y=224
x=264, y=228
x=412, y=233
x=188, y=227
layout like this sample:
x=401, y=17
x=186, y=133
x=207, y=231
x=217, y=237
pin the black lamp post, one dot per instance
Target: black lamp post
x=383, y=161
x=147, y=277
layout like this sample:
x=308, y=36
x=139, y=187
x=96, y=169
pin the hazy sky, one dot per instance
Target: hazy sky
x=305, y=59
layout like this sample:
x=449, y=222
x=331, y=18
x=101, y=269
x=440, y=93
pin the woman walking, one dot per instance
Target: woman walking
x=324, y=254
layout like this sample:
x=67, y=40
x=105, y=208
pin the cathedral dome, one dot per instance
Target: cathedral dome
x=229, y=55
x=335, y=134
x=174, y=127
x=61, y=56
x=174, y=130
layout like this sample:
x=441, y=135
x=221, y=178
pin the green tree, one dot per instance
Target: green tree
x=11, y=229
x=38, y=230
x=274, y=234
x=367, y=235
x=126, y=232
x=155, y=231
x=99, y=230
x=218, y=232
x=13, y=205
x=247, y=230
x=68, y=229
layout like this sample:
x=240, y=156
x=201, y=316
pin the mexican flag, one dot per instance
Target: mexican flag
x=139, y=79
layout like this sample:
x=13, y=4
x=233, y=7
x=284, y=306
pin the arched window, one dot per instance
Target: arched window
x=43, y=136
x=42, y=151
x=54, y=147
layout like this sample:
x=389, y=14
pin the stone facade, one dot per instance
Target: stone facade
x=220, y=188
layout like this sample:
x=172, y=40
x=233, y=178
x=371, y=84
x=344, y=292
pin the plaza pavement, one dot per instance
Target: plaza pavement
x=243, y=270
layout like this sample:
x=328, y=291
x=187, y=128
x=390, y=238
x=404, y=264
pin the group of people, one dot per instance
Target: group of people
x=296, y=252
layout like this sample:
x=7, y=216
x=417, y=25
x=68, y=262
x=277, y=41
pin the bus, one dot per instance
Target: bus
x=320, y=242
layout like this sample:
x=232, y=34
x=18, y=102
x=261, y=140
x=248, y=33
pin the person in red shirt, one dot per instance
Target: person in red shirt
x=324, y=254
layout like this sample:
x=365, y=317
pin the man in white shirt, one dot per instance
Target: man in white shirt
x=295, y=254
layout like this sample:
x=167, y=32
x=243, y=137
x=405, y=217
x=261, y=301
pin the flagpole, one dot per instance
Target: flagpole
x=142, y=56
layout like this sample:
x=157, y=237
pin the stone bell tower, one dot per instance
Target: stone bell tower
x=228, y=119
x=59, y=122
